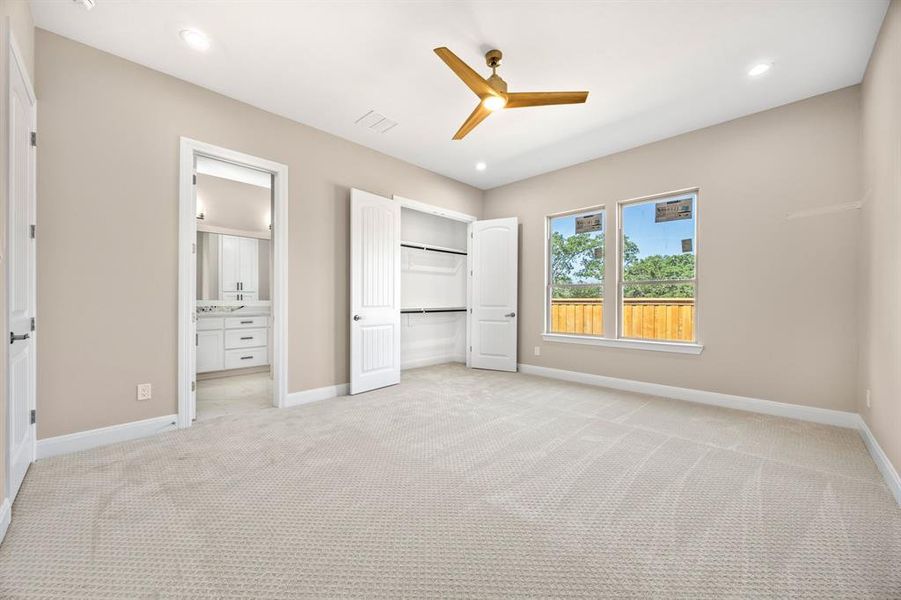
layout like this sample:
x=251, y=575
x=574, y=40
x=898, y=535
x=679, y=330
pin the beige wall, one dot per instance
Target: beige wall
x=777, y=297
x=107, y=178
x=22, y=25
x=18, y=14
x=880, y=260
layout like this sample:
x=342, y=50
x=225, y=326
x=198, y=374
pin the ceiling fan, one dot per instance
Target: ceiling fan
x=492, y=92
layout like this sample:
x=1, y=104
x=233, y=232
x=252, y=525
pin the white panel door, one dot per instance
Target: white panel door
x=229, y=261
x=21, y=274
x=495, y=248
x=374, y=292
x=249, y=265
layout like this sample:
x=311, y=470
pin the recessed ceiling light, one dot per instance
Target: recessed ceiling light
x=759, y=69
x=195, y=39
x=480, y=166
x=85, y=4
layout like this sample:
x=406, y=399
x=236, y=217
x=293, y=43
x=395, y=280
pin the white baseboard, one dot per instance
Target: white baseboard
x=84, y=440
x=825, y=416
x=892, y=480
x=433, y=360
x=316, y=394
x=5, y=515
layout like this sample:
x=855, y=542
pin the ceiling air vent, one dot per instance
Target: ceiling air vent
x=376, y=122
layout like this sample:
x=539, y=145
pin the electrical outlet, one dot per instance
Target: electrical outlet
x=868, y=398
x=143, y=391
x=537, y=350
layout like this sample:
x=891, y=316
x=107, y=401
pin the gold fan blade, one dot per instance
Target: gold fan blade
x=473, y=80
x=478, y=115
x=524, y=99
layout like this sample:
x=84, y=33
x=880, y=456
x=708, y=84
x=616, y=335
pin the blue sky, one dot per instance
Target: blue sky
x=638, y=219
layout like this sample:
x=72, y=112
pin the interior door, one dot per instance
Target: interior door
x=374, y=291
x=192, y=359
x=229, y=263
x=21, y=274
x=495, y=249
x=249, y=264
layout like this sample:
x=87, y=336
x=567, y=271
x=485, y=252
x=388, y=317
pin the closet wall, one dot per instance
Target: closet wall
x=433, y=289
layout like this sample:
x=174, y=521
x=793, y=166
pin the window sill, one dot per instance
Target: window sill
x=675, y=347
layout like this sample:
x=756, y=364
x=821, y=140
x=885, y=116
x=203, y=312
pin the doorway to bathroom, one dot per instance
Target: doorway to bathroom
x=232, y=293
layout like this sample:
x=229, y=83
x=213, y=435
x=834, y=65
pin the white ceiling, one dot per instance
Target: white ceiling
x=654, y=69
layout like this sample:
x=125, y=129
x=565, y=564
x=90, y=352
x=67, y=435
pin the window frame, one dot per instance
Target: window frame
x=549, y=284
x=621, y=283
x=613, y=336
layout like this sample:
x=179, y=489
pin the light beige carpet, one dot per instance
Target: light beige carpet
x=464, y=483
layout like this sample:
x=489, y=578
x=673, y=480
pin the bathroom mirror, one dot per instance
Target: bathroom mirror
x=233, y=268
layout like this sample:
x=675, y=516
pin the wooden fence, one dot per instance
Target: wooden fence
x=645, y=318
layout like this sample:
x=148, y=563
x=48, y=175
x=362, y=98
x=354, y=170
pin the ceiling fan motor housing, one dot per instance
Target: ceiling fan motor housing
x=493, y=58
x=497, y=84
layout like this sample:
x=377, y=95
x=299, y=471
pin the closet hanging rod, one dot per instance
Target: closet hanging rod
x=408, y=311
x=430, y=249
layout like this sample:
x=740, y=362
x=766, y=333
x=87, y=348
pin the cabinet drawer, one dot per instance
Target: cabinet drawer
x=209, y=323
x=252, y=357
x=238, y=322
x=245, y=338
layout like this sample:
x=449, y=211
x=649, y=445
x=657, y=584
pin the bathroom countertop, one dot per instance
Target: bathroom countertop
x=256, y=312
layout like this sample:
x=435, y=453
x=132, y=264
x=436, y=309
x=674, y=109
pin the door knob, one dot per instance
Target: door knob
x=513, y=314
x=357, y=317
x=16, y=338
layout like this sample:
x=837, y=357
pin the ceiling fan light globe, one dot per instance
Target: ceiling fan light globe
x=494, y=103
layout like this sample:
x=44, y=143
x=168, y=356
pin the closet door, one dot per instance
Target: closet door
x=494, y=294
x=249, y=264
x=374, y=292
x=229, y=258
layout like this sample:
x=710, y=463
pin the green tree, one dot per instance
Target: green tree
x=579, y=258
x=672, y=266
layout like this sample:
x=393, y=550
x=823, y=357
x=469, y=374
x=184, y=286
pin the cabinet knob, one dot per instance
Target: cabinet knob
x=357, y=317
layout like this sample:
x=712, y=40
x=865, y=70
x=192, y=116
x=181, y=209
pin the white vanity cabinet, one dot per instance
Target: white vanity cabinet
x=232, y=342
x=210, y=351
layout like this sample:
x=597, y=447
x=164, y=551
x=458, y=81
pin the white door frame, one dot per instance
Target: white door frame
x=12, y=55
x=187, y=293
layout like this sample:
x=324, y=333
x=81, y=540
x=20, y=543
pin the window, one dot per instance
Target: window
x=657, y=261
x=576, y=277
x=650, y=302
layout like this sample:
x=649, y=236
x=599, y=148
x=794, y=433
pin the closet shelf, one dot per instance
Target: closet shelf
x=418, y=246
x=407, y=311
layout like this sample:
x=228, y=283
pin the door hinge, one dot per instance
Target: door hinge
x=194, y=248
x=194, y=179
x=193, y=386
x=33, y=231
x=34, y=138
x=32, y=323
x=196, y=339
x=470, y=348
x=34, y=416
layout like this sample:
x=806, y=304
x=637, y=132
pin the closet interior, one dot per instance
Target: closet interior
x=434, y=288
